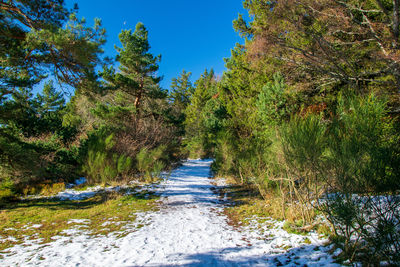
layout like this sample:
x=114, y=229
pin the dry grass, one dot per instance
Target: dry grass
x=44, y=189
x=247, y=202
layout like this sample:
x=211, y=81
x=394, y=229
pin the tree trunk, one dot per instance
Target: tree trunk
x=396, y=22
x=138, y=98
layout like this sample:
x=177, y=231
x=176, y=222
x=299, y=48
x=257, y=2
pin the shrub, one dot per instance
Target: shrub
x=304, y=147
x=353, y=161
x=364, y=160
x=194, y=148
x=7, y=189
x=101, y=164
x=149, y=162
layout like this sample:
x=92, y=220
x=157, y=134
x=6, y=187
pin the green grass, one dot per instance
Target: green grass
x=294, y=228
x=53, y=215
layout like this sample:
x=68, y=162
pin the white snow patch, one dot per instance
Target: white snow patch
x=80, y=181
x=31, y=226
x=35, y=226
x=79, y=221
x=190, y=229
x=8, y=238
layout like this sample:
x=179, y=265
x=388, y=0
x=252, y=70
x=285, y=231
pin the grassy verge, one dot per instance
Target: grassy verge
x=44, y=218
x=246, y=202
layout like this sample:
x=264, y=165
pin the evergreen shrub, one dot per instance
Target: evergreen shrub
x=101, y=164
x=150, y=162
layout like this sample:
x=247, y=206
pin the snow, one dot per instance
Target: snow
x=189, y=229
x=79, y=221
x=71, y=194
x=80, y=181
x=33, y=226
x=74, y=194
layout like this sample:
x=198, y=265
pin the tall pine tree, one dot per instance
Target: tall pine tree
x=197, y=135
x=138, y=67
x=181, y=90
x=38, y=39
x=50, y=99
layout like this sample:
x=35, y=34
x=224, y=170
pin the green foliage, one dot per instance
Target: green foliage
x=101, y=164
x=204, y=117
x=138, y=67
x=41, y=38
x=150, y=162
x=50, y=99
x=181, y=90
x=304, y=142
x=353, y=153
x=33, y=139
x=271, y=102
x=7, y=189
x=35, y=38
x=364, y=146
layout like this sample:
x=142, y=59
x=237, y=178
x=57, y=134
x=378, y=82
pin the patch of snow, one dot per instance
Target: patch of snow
x=79, y=221
x=71, y=194
x=190, y=229
x=31, y=226
x=106, y=223
x=337, y=252
x=77, y=182
x=80, y=181
x=8, y=238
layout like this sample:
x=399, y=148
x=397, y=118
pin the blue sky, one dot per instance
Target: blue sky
x=189, y=34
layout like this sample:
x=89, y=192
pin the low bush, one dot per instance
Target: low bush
x=7, y=190
x=101, y=164
x=348, y=168
x=150, y=162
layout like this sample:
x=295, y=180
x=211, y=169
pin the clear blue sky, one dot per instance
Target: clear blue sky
x=189, y=34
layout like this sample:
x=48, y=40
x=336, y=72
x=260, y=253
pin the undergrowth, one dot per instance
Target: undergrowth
x=246, y=202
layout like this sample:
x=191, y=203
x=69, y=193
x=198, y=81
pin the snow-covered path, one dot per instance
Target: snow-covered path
x=188, y=230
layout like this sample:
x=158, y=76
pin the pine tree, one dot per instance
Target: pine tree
x=38, y=39
x=50, y=99
x=205, y=88
x=197, y=135
x=35, y=43
x=137, y=71
x=181, y=90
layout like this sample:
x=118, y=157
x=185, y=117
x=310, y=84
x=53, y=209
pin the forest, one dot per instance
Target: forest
x=306, y=114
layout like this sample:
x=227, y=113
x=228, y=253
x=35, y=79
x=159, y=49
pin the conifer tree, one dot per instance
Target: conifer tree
x=38, y=39
x=197, y=135
x=35, y=43
x=204, y=89
x=181, y=90
x=50, y=99
x=137, y=71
